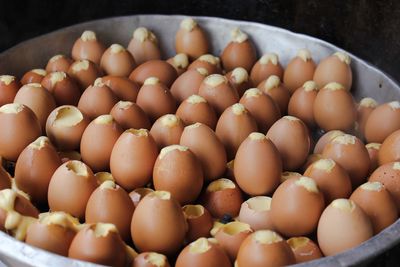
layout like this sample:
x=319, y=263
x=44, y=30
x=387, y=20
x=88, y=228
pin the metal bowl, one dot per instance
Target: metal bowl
x=367, y=81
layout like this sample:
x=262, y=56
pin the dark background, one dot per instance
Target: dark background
x=368, y=29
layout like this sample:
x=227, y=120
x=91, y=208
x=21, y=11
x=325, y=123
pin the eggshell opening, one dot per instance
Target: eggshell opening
x=67, y=117
x=291, y=118
x=188, y=24
x=372, y=186
x=164, y=195
x=39, y=143
x=55, y=58
x=103, y=176
x=193, y=211
x=333, y=86
x=151, y=81
x=7, y=199
x=59, y=218
x=209, y=59
x=238, y=36
x=103, y=229
x=309, y=184
x=181, y=60
x=238, y=109
x=234, y=228
x=344, y=139
x=108, y=184
x=394, y=105
x=304, y=54
x=214, y=80
x=138, y=132
x=202, y=71
x=155, y=259
x=116, y=48
x=272, y=82
x=170, y=120
x=259, y=203
x=142, y=34
x=77, y=167
x=368, y=102
x=252, y=92
x=195, y=99
x=240, y=75
x=343, y=57
x=199, y=246
x=7, y=79
x=80, y=65
x=257, y=136
x=170, y=148
x=298, y=242
x=56, y=77
x=343, y=204
x=310, y=86
x=287, y=175
x=266, y=237
x=104, y=119
x=376, y=146
x=88, y=36
x=220, y=185
x=269, y=57
x=12, y=108
x=324, y=164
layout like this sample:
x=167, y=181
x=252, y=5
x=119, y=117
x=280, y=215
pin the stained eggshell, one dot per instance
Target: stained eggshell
x=383, y=120
x=304, y=249
x=180, y=62
x=167, y=130
x=273, y=87
x=191, y=39
x=144, y=46
x=199, y=222
x=154, y=68
x=63, y=88
x=364, y=109
x=209, y=62
x=129, y=115
x=373, y=152
x=138, y=194
x=266, y=66
x=256, y=212
x=258, y=165
x=325, y=139
x=84, y=72
x=150, y=259
x=196, y=109
x=122, y=87
x=188, y=83
x=88, y=47
x=390, y=149
x=9, y=86
x=58, y=63
x=33, y=76
x=118, y=61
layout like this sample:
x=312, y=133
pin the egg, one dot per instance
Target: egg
x=277, y=91
x=22, y=126
x=35, y=167
x=373, y=152
x=209, y=62
x=262, y=107
x=364, y=109
x=188, y=83
x=266, y=66
x=138, y=194
x=129, y=115
x=258, y=165
x=310, y=160
x=144, y=46
x=118, y=61
x=150, y=259
x=325, y=139
x=167, y=130
x=289, y=215
x=72, y=176
x=33, y=76
x=389, y=150
x=180, y=62
x=191, y=39
x=59, y=63
x=304, y=249
x=343, y=149
x=122, y=87
x=65, y=126
x=9, y=87
x=63, y=88
x=332, y=180
x=256, y=212
x=199, y=221
x=207, y=147
x=99, y=243
x=233, y=127
x=294, y=149
x=84, y=72
x=178, y=171
x=196, y=109
x=132, y=158
x=239, y=79
x=5, y=179
x=264, y=248
x=203, y=252
x=343, y=225
x=88, y=47
x=158, y=224
x=240, y=52
x=299, y=70
x=154, y=68
x=286, y=175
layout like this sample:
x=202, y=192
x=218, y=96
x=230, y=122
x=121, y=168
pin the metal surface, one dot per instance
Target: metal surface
x=367, y=81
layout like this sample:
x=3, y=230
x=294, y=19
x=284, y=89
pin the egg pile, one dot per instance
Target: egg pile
x=196, y=160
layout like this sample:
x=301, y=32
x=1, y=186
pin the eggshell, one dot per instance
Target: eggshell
x=264, y=248
x=88, y=47
x=373, y=152
x=150, y=259
x=138, y=194
x=364, y=109
x=383, y=120
x=188, y=83
x=273, y=87
x=118, y=61
x=15, y=203
x=288, y=175
x=22, y=126
x=9, y=86
x=191, y=39
x=256, y=212
x=158, y=224
x=310, y=160
x=209, y=62
x=63, y=88
x=180, y=62
x=304, y=249
x=59, y=63
x=196, y=109
x=199, y=222
x=343, y=225
x=144, y=46
x=5, y=179
x=84, y=72
x=389, y=150
x=72, y=176
x=122, y=87
x=233, y=127
x=167, y=130
x=325, y=139
x=266, y=66
x=239, y=79
x=258, y=165
x=207, y=147
x=33, y=76
x=154, y=68
x=132, y=158
x=129, y=115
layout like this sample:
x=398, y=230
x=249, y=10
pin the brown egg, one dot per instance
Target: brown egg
x=97, y=100
x=209, y=62
x=59, y=63
x=118, y=61
x=166, y=232
x=364, y=109
x=98, y=140
x=289, y=215
x=310, y=160
x=152, y=89
x=389, y=150
x=295, y=147
x=150, y=259
x=377, y=203
x=240, y=52
x=343, y=225
x=178, y=171
x=180, y=62
x=199, y=222
x=266, y=66
x=335, y=68
x=33, y=76
x=334, y=108
x=304, y=249
x=256, y=212
x=262, y=107
x=343, y=149
x=122, y=87
x=373, y=152
x=264, y=248
x=203, y=252
x=207, y=147
x=299, y=70
x=84, y=72
x=383, y=120
x=9, y=86
x=5, y=179
x=188, y=83
x=233, y=127
x=217, y=90
x=191, y=39
x=132, y=158
x=325, y=139
x=167, y=130
x=65, y=126
x=144, y=46
x=222, y=197
x=196, y=109
x=277, y=91
x=138, y=194
x=154, y=68
x=70, y=188
x=302, y=102
x=239, y=79
x=332, y=180
x=54, y=232
x=99, y=243
x=22, y=127
x=129, y=115
x=258, y=165
x=389, y=175
x=88, y=47
x=63, y=88
x=35, y=167
x=109, y=203
x=38, y=99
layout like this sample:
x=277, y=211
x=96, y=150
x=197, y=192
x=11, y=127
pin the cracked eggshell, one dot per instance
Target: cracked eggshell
x=129, y=115
x=144, y=45
x=88, y=47
x=150, y=259
x=304, y=249
x=199, y=221
x=256, y=212
x=196, y=109
x=154, y=68
x=59, y=63
x=9, y=86
x=383, y=121
x=167, y=130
